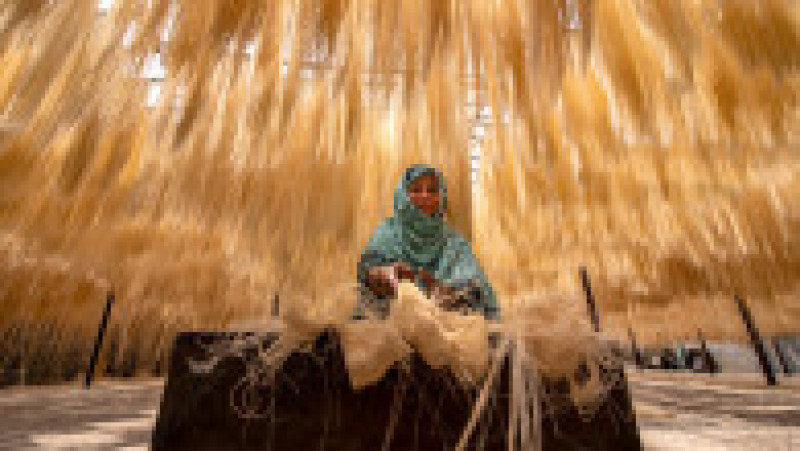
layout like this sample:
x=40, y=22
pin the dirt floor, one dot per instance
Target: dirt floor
x=723, y=412
x=674, y=411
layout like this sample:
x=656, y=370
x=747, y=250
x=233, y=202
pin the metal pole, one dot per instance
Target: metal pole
x=708, y=359
x=680, y=357
x=98, y=342
x=758, y=343
x=781, y=356
x=587, y=287
x=637, y=356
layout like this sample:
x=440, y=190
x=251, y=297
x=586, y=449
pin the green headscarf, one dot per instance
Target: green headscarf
x=420, y=240
x=422, y=237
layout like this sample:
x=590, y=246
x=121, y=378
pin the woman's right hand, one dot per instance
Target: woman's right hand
x=383, y=280
x=403, y=271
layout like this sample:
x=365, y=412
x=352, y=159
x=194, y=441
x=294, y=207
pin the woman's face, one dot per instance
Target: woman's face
x=424, y=194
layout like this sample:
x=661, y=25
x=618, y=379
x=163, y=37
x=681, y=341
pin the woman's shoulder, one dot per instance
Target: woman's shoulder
x=455, y=238
x=451, y=233
x=387, y=224
x=385, y=229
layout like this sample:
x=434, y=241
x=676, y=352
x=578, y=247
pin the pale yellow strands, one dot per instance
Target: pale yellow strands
x=443, y=339
x=652, y=141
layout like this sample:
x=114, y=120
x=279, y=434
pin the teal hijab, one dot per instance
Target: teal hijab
x=426, y=241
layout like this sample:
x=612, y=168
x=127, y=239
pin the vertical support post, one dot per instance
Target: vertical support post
x=680, y=356
x=587, y=288
x=781, y=356
x=637, y=356
x=708, y=359
x=98, y=342
x=755, y=339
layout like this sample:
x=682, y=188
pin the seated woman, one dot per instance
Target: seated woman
x=418, y=246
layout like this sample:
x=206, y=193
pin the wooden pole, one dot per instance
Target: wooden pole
x=98, y=342
x=755, y=339
x=587, y=287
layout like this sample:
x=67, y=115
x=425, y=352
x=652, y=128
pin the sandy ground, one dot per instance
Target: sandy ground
x=111, y=415
x=726, y=412
x=674, y=411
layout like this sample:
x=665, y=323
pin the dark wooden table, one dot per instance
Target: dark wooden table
x=311, y=405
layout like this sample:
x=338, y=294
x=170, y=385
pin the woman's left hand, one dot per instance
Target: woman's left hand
x=427, y=279
x=435, y=288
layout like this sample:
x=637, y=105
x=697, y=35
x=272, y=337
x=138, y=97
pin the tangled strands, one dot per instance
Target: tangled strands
x=563, y=349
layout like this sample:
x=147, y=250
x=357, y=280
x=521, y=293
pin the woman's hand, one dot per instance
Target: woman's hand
x=427, y=279
x=383, y=280
x=403, y=271
x=443, y=294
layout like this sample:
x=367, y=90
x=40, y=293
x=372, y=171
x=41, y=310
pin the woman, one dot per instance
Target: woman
x=417, y=245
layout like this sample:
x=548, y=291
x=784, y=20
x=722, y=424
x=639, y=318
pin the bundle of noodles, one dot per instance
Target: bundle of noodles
x=662, y=165
x=195, y=211
x=443, y=339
